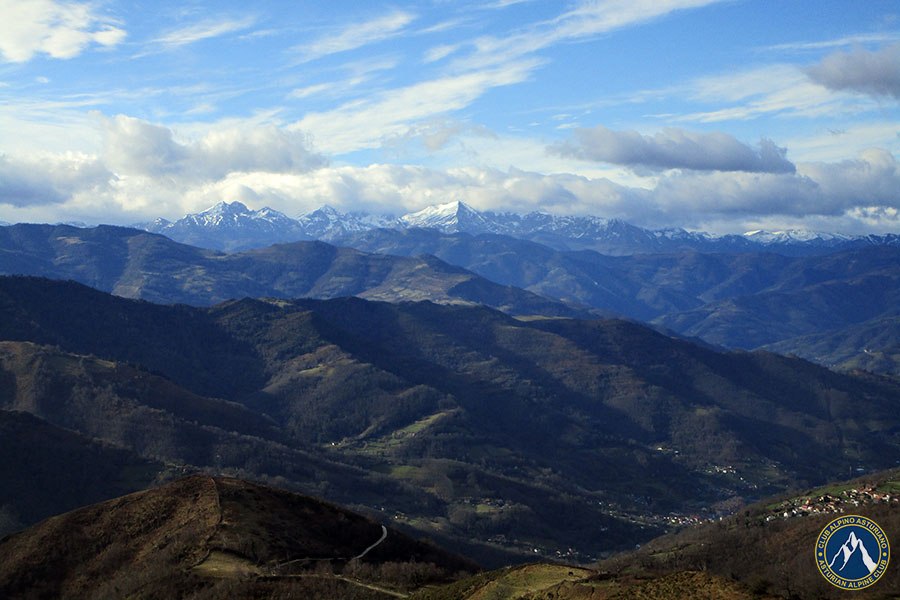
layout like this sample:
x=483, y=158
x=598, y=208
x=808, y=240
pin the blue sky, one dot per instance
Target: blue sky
x=718, y=115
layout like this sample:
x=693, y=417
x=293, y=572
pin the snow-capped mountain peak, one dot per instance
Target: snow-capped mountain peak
x=230, y=226
x=219, y=214
x=327, y=223
x=452, y=217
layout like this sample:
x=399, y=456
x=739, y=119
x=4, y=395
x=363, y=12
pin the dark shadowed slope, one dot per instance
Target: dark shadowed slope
x=464, y=420
x=47, y=470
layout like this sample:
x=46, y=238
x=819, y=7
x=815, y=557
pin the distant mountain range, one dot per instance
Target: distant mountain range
x=731, y=300
x=235, y=227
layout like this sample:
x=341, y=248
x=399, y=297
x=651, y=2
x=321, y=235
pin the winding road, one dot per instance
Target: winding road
x=383, y=537
x=372, y=547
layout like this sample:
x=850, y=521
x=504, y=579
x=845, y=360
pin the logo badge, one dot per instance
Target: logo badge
x=852, y=552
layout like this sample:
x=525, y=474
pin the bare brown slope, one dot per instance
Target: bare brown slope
x=154, y=544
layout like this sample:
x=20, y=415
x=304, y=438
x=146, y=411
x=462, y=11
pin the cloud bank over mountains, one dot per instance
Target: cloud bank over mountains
x=145, y=171
x=603, y=107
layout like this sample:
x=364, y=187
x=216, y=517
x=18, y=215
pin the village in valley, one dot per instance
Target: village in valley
x=827, y=501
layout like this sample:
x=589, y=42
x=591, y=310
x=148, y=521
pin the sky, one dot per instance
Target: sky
x=718, y=115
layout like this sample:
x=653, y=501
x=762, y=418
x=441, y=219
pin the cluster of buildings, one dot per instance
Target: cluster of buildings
x=830, y=503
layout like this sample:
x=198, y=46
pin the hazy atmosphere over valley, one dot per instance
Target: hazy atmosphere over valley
x=449, y=300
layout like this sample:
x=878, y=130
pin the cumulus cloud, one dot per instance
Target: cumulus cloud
x=817, y=190
x=823, y=191
x=872, y=180
x=59, y=29
x=145, y=172
x=875, y=73
x=136, y=147
x=49, y=179
x=675, y=148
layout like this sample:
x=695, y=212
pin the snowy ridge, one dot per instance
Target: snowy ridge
x=233, y=226
x=793, y=236
x=326, y=223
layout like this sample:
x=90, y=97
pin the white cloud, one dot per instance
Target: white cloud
x=58, y=29
x=49, y=179
x=783, y=90
x=135, y=147
x=354, y=36
x=857, y=195
x=851, y=40
x=366, y=123
x=312, y=90
x=599, y=16
x=675, y=148
x=492, y=62
x=872, y=180
x=503, y=3
x=834, y=145
x=588, y=19
x=436, y=53
x=838, y=192
x=874, y=73
x=433, y=135
x=818, y=191
x=360, y=72
x=202, y=31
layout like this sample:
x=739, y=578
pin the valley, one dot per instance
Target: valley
x=510, y=401
x=548, y=437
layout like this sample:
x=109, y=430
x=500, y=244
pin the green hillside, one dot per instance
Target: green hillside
x=506, y=437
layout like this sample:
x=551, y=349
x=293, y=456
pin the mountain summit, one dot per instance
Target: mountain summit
x=230, y=226
x=233, y=227
x=452, y=217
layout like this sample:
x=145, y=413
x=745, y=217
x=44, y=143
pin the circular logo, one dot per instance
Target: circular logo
x=852, y=552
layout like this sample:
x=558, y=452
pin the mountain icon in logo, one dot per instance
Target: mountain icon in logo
x=853, y=547
x=852, y=552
